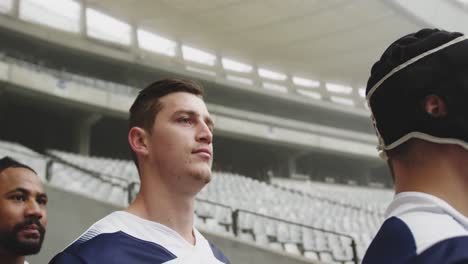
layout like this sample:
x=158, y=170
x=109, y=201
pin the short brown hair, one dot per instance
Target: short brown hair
x=146, y=106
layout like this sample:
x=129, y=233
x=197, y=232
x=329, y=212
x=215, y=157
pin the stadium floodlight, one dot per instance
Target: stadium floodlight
x=305, y=82
x=105, y=27
x=202, y=71
x=199, y=56
x=342, y=100
x=314, y=95
x=362, y=92
x=338, y=88
x=58, y=14
x=233, y=65
x=272, y=75
x=6, y=6
x=275, y=87
x=155, y=43
x=238, y=79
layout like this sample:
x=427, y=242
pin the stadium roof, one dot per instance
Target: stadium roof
x=332, y=40
x=309, y=48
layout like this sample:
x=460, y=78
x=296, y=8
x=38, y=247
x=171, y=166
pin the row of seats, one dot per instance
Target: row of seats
x=371, y=199
x=24, y=155
x=117, y=168
x=77, y=181
x=244, y=193
x=67, y=76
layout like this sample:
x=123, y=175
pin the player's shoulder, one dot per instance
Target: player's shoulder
x=117, y=247
x=448, y=251
x=116, y=238
x=394, y=243
x=419, y=237
x=429, y=228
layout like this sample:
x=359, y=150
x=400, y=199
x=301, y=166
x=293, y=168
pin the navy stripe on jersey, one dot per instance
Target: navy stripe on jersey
x=394, y=243
x=116, y=248
x=218, y=254
x=453, y=250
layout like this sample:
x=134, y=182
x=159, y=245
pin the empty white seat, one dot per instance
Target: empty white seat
x=311, y=255
x=292, y=248
x=326, y=257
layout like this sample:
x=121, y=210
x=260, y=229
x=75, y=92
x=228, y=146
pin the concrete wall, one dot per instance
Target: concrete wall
x=71, y=214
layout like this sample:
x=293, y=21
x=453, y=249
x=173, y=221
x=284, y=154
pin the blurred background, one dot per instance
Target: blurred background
x=297, y=174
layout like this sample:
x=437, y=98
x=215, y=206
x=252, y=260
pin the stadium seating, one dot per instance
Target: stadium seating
x=67, y=76
x=374, y=200
x=25, y=155
x=239, y=192
x=267, y=214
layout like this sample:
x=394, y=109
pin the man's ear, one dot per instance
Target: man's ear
x=435, y=106
x=138, y=140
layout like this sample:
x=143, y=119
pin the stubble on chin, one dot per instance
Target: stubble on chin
x=203, y=176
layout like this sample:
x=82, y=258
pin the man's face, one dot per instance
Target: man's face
x=23, y=215
x=180, y=144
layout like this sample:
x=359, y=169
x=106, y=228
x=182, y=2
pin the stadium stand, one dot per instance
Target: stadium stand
x=327, y=223
x=315, y=220
x=371, y=199
x=64, y=76
x=282, y=216
x=24, y=155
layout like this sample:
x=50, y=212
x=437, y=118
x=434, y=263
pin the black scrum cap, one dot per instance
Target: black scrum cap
x=430, y=61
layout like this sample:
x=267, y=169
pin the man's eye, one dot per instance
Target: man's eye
x=18, y=198
x=184, y=120
x=42, y=201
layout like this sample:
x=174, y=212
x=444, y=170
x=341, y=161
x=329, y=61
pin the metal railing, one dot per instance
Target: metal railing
x=237, y=229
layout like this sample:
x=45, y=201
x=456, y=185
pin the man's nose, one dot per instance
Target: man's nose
x=204, y=134
x=33, y=209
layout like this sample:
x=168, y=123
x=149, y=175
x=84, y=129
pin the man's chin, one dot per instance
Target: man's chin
x=29, y=245
x=203, y=175
x=26, y=248
x=204, y=178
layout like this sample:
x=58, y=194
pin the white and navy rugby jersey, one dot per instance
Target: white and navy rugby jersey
x=122, y=237
x=421, y=229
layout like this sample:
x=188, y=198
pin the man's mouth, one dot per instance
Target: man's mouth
x=204, y=152
x=30, y=231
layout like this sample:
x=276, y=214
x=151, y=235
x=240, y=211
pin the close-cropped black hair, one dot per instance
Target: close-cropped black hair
x=7, y=162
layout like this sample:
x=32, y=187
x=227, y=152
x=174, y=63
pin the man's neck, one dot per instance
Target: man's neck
x=443, y=177
x=156, y=203
x=9, y=259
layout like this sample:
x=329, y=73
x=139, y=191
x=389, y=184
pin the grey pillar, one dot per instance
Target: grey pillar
x=83, y=28
x=292, y=162
x=83, y=133
x=15, y=9
x=291, y=166
x=3, y=104
x=134, y=36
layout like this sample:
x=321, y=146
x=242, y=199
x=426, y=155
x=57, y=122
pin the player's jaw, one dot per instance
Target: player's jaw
x=24, y=239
